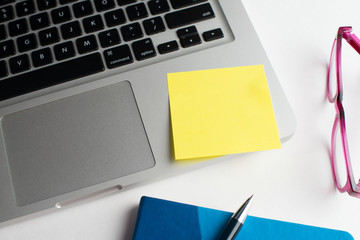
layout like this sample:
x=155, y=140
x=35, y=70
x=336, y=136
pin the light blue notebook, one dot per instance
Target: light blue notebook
x=162, y=219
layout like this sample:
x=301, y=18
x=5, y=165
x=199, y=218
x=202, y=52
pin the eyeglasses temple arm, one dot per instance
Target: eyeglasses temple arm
x=353, y=40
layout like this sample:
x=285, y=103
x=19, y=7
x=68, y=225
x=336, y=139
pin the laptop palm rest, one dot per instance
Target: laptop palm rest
x=75, y=143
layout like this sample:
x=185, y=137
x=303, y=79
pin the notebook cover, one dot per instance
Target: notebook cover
x=162, y=219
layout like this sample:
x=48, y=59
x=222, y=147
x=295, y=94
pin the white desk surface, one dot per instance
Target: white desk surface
x=293, y=183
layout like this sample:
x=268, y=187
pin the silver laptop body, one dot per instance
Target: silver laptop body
x=111, y=130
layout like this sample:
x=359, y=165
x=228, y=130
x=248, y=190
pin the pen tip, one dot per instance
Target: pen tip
x=241, y=213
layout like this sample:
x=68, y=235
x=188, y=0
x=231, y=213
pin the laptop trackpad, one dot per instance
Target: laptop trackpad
x=75, y=142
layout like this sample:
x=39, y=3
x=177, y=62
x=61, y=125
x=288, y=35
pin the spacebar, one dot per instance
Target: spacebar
x=50, y=76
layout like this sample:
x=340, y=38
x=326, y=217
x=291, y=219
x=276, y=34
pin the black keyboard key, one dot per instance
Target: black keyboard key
x=117, y=56
x=158, y=6
x=93, y=24
x=186, y=31
x=24, y=8
x=64, y=50
x=3, y=69
x=190, y=41
x=188, y=36
x=19, y=64
x=143, y=49
x=26, y=43
x=189, y=15
x=183, y=3
x=46, y=4
x=213, y=34
x=41, y=57
x=87, y=44
x=125, y=2
x=7, y=48
x=109, y=38
x=6, y=13
x=51, y=75
x=61, y=15
x=71, y=30
x=115, y=18
x=18, y=27
x=131, y=31
x=49, y=36
x=2, y=32
x=168, y=47
x=102, y=5
x=154, y=25
x=82, y=9
x=39, y=21
x=137, y=11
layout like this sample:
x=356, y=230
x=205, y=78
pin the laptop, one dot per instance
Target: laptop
x=83, y=92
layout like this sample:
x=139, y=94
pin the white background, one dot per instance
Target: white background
x=293, y=183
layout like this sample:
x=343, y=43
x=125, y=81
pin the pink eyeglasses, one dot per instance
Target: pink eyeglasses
x=341, y=166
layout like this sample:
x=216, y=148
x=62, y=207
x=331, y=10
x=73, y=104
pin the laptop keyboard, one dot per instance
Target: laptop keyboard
x=48, y=42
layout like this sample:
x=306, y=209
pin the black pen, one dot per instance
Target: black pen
x=236, y=222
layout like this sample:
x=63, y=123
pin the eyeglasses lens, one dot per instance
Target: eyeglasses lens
x=332, y=74
x=339, y=157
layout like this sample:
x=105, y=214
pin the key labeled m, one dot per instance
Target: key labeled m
x=87, y=43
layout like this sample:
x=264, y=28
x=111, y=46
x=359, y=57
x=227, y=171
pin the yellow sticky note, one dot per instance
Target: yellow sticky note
x=221, y=111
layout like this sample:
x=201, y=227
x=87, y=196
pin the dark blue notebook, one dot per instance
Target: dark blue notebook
x=161, y=219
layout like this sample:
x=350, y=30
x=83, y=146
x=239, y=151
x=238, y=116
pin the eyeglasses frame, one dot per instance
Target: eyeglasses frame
x=351, y=187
